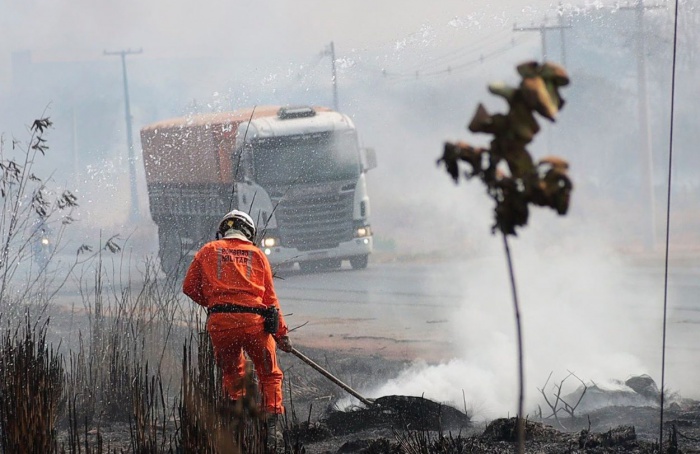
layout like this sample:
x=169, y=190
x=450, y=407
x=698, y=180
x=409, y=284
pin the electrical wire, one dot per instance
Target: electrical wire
x=463, y=66
x=471, y=48
x=668, y=229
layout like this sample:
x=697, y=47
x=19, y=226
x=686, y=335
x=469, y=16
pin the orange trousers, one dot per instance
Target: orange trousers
x=261, y=348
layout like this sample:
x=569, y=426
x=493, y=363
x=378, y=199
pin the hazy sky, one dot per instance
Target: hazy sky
x=82, y=29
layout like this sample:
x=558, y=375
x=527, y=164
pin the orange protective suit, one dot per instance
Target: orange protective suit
x=235, y=271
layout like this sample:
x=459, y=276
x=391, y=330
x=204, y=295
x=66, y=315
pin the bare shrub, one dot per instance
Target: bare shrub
x=128, y=324
x=30, y=210
x=31, y=390
x=149, y=428
x=558, y=403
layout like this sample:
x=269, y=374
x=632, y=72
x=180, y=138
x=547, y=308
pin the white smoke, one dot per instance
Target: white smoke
x=582, y=311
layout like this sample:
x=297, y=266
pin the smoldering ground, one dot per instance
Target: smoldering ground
x=582, y=311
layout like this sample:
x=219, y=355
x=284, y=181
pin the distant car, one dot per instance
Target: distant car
x=42, y=245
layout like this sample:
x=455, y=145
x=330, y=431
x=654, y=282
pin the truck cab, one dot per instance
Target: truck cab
x=302, y=176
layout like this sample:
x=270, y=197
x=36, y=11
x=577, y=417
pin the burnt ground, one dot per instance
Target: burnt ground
x=409, y=424
x=412, y=425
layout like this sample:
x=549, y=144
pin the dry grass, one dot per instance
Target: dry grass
x=140, y=360
x=31, y=390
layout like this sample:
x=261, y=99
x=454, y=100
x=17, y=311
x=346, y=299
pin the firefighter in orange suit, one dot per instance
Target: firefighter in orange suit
x=232, y=279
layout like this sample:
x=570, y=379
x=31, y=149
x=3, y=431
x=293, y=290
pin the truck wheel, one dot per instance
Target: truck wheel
x=359, y=263
x=170, y=254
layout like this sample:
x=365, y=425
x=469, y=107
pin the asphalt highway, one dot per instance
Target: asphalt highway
x=591, y=316
x=594, y=320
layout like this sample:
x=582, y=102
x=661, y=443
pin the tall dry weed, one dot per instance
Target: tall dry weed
x=31, y=390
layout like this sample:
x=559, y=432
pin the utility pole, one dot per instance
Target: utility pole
x=74, y=146
x=134, y=214
x=542, y=29
x=334, y=75
x=562, y=37
x=647, y=180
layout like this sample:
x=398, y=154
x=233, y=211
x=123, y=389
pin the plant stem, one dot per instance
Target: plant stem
x=521, y=367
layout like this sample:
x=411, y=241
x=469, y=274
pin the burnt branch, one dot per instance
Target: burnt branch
x=559, y=404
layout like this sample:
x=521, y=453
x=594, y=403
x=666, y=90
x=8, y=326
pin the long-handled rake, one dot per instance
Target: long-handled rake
x=331, y=377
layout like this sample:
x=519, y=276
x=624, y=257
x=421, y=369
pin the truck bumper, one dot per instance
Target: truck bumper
x=345, y=250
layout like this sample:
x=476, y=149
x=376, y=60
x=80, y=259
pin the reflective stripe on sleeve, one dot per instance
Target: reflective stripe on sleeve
x=218, y=263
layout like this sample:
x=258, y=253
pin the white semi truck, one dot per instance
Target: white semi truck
x=299, y=172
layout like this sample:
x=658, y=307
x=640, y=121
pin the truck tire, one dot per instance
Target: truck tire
x=171, y=254
x=360, y=262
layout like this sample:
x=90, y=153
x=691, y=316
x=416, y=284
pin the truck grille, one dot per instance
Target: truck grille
x=318, y=221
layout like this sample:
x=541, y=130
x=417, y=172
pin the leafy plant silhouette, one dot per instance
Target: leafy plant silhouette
x=512, y=178
x=30, y=209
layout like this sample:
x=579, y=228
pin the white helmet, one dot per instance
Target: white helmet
x=240, y=221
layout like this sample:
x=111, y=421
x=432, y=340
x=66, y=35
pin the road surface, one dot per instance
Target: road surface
x=596, y=316
x=401, y=310
x=595, y=319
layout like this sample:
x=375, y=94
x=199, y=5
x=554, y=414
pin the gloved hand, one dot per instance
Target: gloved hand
x=284, y=344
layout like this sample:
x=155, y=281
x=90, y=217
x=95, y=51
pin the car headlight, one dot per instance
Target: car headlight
x=363, y=231
x=270, y=242
x=45, y=241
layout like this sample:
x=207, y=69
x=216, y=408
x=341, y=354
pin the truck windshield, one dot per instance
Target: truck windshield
x=309, y=158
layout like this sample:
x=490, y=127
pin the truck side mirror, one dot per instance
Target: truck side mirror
x=369, y=159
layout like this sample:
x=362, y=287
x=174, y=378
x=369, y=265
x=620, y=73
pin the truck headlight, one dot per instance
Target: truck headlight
x=270, y=242
x=363, y=231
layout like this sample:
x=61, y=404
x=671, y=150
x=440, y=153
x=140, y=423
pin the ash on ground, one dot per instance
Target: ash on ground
x=619, y=417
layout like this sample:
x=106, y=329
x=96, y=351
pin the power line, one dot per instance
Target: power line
x=542, y=29
x=457, y=68
x=472, y=47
